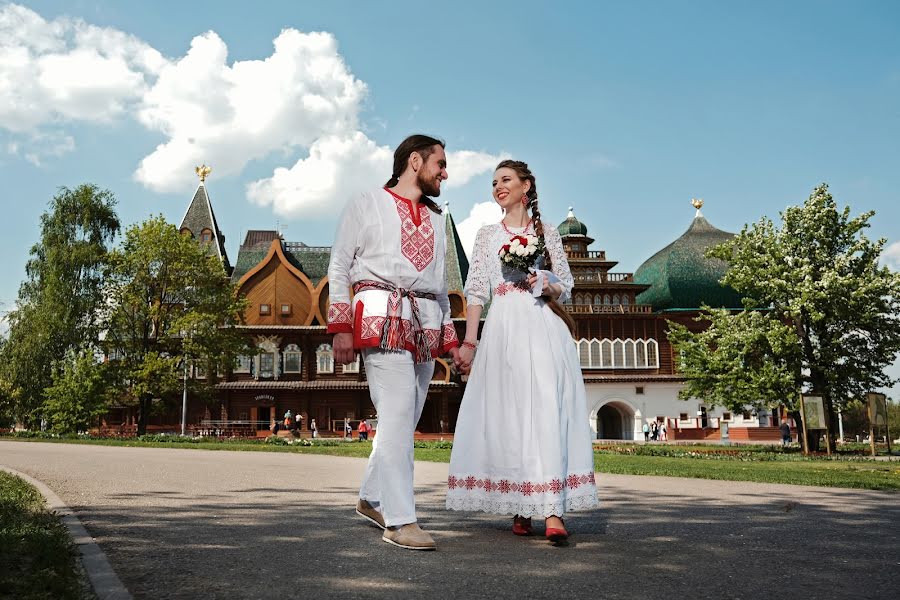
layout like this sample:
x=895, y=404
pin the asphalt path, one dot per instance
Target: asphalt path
x=181, y=523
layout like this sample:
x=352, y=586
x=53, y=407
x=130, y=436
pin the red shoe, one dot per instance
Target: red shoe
x=557, y=535
x=522, y=525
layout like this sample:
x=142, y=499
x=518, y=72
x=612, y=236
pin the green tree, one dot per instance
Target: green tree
x=59, y=302
x=169, y=300
x=78, y=393
x=819, y=274
x=741, y=360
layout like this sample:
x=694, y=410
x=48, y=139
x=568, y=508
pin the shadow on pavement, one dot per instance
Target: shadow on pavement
x=278, y=542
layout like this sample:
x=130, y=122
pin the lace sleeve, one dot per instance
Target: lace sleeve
x=478, y=282
x=560, y=262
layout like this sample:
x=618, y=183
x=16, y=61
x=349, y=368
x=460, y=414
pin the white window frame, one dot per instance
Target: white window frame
x=243, y=364
x=618, y=353
x=325, y=359
x=262, y=373
x=352, y=367
x=291, y=350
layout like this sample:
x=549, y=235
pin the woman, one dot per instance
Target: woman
x=522, y=444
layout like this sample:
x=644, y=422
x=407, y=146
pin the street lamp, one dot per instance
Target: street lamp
x=184, y=399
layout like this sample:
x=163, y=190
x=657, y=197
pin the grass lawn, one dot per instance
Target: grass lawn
x=37, y=557
x=765, y=464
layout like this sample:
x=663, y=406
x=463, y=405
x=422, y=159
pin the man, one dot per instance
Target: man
x=785, y=433
x=390, y=247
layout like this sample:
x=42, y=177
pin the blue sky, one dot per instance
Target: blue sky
x=623, y=110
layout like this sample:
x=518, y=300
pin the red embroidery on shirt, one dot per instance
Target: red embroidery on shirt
x=416, y=233
x=339, y=312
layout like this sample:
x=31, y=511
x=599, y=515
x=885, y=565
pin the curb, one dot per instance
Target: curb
x=103, y=578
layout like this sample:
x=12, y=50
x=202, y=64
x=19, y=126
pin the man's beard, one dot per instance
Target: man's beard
x=429, y=186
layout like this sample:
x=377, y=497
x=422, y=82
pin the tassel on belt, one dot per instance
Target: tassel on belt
x=391, y=335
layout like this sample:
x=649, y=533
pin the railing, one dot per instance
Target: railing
x=603, y=278
x=590, y=254
x=608, y=309
x=300, y=246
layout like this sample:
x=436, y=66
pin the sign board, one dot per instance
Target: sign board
x=814, y=413
x=877, y=408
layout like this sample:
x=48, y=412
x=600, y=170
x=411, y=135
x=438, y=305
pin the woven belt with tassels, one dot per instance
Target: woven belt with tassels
x=391, y=337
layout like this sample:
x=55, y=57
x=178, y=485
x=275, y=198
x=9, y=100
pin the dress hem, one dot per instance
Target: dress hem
x=525, y=509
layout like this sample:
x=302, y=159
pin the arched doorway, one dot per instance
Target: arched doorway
x=615, y=421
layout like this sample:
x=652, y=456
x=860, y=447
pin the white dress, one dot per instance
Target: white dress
x=522, y=443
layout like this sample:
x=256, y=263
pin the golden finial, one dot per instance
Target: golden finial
x=203, y=172
x=697, y=203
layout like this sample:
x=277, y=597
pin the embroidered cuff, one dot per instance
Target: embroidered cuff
x=340, y=318
x=449, y=340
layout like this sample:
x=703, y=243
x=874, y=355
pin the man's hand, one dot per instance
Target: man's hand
x=343, y=348
x=454, y=352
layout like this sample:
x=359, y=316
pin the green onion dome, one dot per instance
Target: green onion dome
x=681, y=276
x=572, y=226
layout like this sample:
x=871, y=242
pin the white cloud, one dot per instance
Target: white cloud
x=481, y=214
x=891, y=256
x=66, y=70
x=301, y=98
x=48, y=144
x=337, y=167
x=462, y=165
x=227, y=116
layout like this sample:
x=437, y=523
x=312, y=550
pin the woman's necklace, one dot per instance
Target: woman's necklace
x=525, y=230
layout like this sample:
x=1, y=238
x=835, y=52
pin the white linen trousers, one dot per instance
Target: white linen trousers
x=398, y=388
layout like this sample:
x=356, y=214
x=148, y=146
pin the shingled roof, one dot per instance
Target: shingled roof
x=313, y=260
x=200, y=216
x=457, y=263
x=681, y=276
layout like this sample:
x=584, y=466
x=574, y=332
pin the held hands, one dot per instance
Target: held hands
x=343, y=348
x=462, y=358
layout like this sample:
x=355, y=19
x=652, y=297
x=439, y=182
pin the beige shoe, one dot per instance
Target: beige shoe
x=409, y=536
x=368, y=512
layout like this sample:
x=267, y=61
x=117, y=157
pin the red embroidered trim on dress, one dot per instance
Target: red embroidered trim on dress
x=340, y=318
x=506, y=287
x=416, y=232
x=526, y=488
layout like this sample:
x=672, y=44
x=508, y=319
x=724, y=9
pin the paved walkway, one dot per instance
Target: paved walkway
x=181, y=523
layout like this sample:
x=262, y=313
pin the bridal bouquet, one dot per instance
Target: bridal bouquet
x=522, y=252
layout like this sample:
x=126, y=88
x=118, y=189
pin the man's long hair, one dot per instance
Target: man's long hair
x=424, y=145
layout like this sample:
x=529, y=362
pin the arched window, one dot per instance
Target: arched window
x=641, y=349
x=292, y=356
x=206, y=235
x=584, y=353
x=616, y=300
x=606, y=299
x=625, y=300
x=598, y=299
x=652, y=354
x=629, y=354
x=618, y=353
x=606, y=356
x=325, y=359
x=595, y=353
